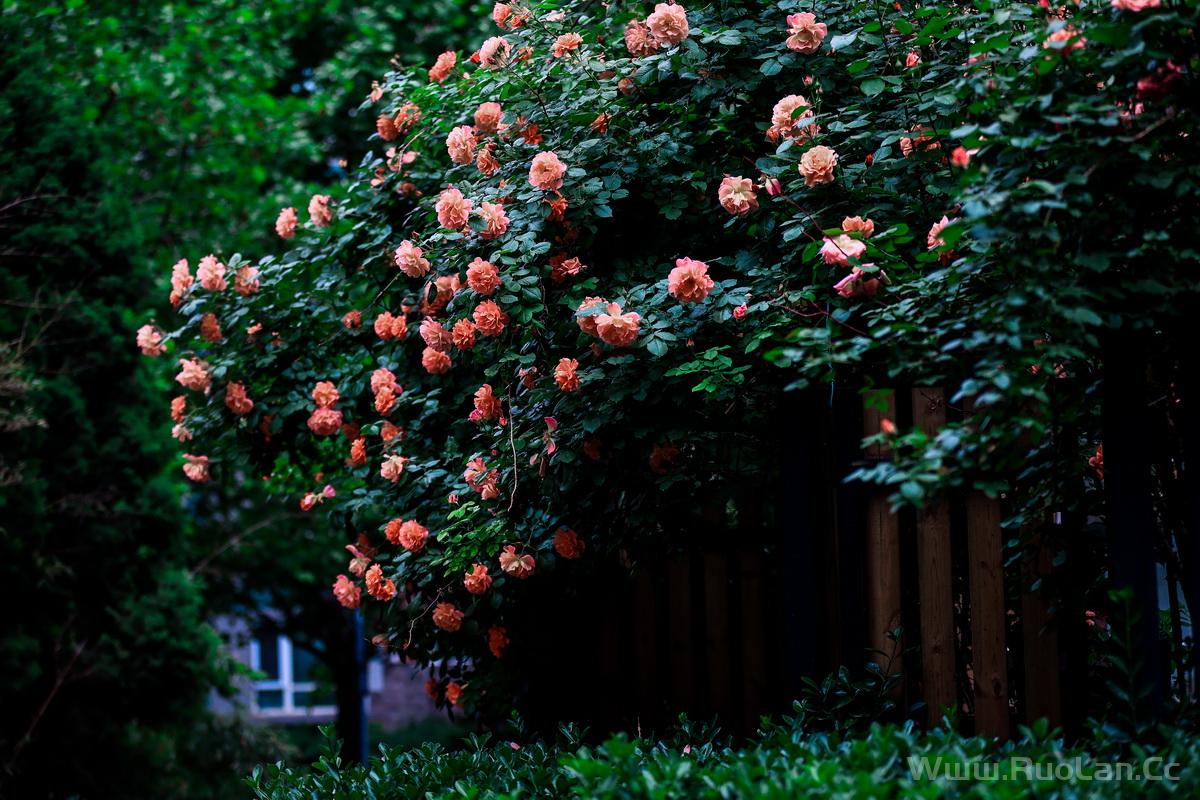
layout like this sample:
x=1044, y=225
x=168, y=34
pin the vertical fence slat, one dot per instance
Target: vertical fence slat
x=989, y=659
x=716, y=618
x=646, y=660
x=679, y=631
x=935, y=576
x=753, y=637
x=882, y=550
x=1042, y=696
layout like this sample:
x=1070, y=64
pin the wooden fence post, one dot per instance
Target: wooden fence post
x=989, y=659
x=1042, y=690
x=935, y=576
x=882, y=551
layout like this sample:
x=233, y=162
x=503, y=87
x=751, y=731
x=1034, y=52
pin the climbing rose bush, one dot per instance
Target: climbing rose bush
x=565, y=292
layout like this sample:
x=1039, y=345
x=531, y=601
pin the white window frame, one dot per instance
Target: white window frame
x=286, y=683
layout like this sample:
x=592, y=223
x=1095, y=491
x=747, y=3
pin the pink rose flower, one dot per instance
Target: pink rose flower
x=463, y=334
x=412, y=535
x=790, y=122
x=858, y=284
x=934, y=240
x=689, y=281
x=193, y=374
x=392, y=468
x=546, y=172
x=181, y=280
x=1135, y=5
x=840, y=249
x=805, y=34
x=587, y=324
x=245, y=281
x=325, y=394
x=737, y=195
x=565, y=44
x=347, y=592
x=149, y=340
x=196, y=468
x=816, y=165
x=912, y=59
x=285, y=223
x=639, y=41
x=453, y=210
x=379, y=587
x=858, y=225
x=486, y=163
x=494, y=53
x=236, y=399
x=487, y=118
x=435, y=362
x=615, y=328
x=565, y=376
x=325, y=421
x=477, y=581
x=515, y=565
x=483, y=277
x=441, y=68
x=447, y=617
x=494, y=218
x=668, y=24
x=460, y=144
x=410, y=260
x=489, y=318
x=318, y=210
x=211, y=273
x=435, y=335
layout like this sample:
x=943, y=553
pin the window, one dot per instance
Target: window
x=289, y=685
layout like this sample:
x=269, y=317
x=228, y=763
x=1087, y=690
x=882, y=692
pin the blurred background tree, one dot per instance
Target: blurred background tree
x=134, y=135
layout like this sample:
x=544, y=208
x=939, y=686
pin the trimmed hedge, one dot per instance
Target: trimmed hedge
x=785, y=761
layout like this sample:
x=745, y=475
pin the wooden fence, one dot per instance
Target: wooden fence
x=729, y=626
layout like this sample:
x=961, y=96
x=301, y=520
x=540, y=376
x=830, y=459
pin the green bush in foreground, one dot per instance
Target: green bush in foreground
x=786, y=761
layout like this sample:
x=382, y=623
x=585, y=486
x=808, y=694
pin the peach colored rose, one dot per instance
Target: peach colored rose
x=562, y=267
x=546, y=172
x=689, y=281
x=352, y=320
x=639, y=41
x=383, y=325
x=196, y=468
x=385, y=400
x=489, y=318
x=737, y=195
x=193, y=374
x=662, y=455
x=319, y=212
x=325, y=421
x=565, y=376
x=494, y=53
x=453, y=210
x=454, y=692
x=412, y=535
x=477, y=581
x=379, y=587
x=236, y=399
x=840, y=249
x=463, y=334
x=181, y=433
x=668, y=24
x=587, y=324
x=515, y=565
x=481, y=479
x=858, y=225
x=495, y=220
x=1064, y=40
x=435, y=335
x=567, y=543
x=245, y=281
x=567, y=43
x=934, y=240
x=460, y=144
x=816, y=165
x=211, y=274
x=912, y=59
x=486, y=163
x=411, y=260
x=358, y=452
x=149, y=340
x=790, y=122
x=497, y=640
x=487, y=404
x=501, y=12
x=325, y=394
x=383, y=378
x=181, y=281
x=616, y=328
x=858, y=284
x=392, y=468
x=178, y=408
x=483, y=277
x=408, y=115
x=487, y=118
x=441, y=68
x=399, y=327
x=435, y=362
x=1135, y=5
x=285, y=223
x=210, y=328
x=347, y=592
x=805, y=34
x=447, y=617
x=385, y=126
